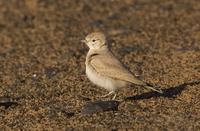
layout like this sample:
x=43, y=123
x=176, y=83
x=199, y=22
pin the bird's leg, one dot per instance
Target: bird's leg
x=108, y=94
x=114, y=96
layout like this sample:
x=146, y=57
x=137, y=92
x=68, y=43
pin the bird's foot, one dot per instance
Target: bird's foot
x=110, y=93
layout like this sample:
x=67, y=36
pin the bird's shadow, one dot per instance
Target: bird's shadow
x=171, y=92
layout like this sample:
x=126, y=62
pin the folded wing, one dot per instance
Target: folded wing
x=108, y=65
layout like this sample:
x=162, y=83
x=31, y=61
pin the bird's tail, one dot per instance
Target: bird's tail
x=152, y=88
x=157, y=90
x=147, y=85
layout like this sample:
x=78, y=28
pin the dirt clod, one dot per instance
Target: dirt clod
x=100, y=106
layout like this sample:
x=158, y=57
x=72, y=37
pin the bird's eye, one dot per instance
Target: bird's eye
x=93, y=40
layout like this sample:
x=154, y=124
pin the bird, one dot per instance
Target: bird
x=105, y=70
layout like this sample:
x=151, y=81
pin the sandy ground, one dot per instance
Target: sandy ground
x=42, y=63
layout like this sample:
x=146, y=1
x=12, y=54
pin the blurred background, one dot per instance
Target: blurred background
x=42, y=62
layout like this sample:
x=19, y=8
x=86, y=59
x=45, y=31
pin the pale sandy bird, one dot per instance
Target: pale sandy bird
x=104, y=69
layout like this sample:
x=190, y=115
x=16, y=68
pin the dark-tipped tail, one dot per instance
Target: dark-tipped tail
x=157, y=90
x=152, y=88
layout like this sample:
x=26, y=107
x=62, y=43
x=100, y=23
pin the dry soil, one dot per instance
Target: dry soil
x=42, y=63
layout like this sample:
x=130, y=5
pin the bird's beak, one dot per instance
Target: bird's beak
x=84, y=41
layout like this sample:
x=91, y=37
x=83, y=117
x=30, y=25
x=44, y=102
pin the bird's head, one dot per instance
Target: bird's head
x=95, y=40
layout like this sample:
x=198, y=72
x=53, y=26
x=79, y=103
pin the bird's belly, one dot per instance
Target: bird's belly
x=103, y=81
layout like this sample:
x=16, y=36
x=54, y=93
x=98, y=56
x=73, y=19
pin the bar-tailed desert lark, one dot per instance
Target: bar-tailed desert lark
x=104, y=69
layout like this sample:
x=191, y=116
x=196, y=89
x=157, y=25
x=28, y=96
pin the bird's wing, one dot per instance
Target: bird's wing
x=109, y=66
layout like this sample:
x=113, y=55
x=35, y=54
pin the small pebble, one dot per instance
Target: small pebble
x=51, y=71
x=34, y=75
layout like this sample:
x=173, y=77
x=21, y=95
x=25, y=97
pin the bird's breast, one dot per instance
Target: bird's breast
x=103, y=81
